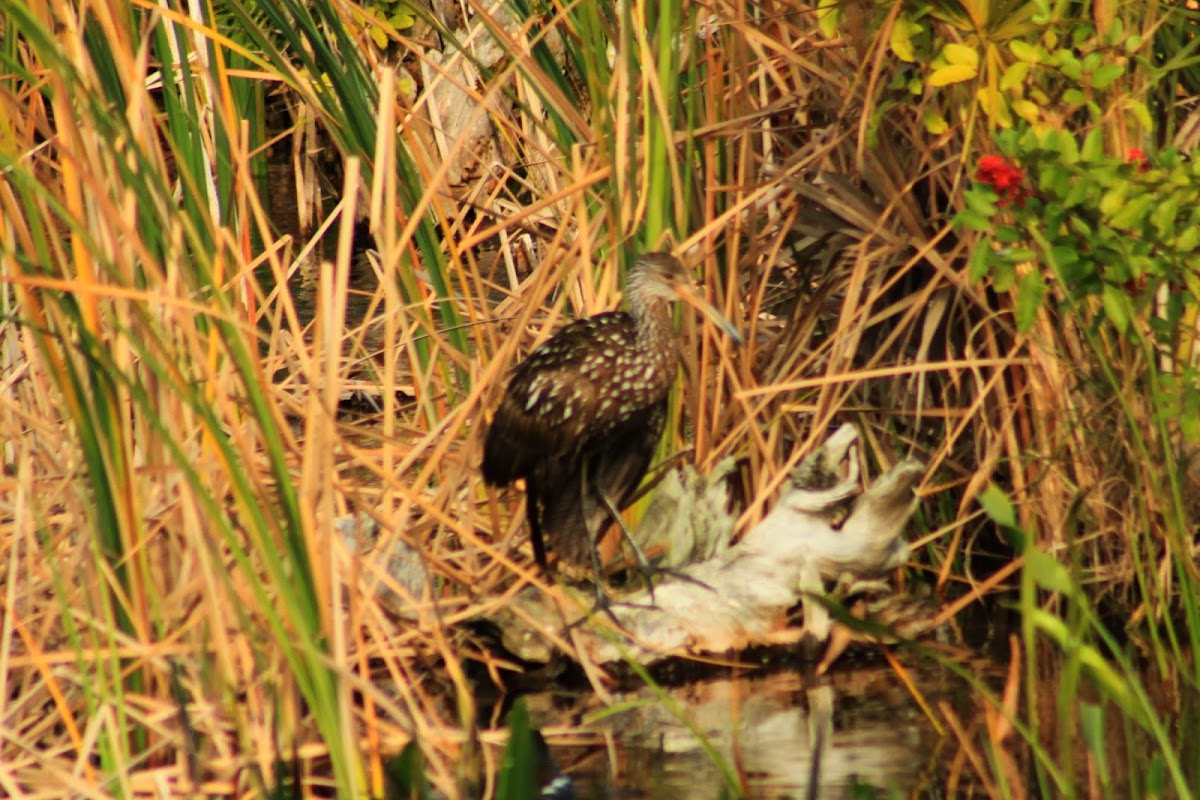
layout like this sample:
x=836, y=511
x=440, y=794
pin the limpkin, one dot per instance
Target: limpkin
x=582, y=415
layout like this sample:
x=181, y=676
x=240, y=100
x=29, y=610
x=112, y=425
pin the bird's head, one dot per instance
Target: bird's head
x=663, y=276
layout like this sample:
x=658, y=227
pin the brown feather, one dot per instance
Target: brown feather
x=590, y=401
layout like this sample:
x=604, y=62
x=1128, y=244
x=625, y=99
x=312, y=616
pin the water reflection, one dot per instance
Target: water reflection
x=787, y=736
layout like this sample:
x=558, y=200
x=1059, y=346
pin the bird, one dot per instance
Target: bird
x=582, y=415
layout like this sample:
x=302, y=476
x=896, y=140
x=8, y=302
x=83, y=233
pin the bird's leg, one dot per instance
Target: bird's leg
x=533, y=512
x=602, y=600
x=659, y=471
x=645, y=570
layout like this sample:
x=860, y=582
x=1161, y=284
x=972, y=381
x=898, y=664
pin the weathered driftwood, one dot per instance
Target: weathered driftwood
x=457, y=117
x=824, y=528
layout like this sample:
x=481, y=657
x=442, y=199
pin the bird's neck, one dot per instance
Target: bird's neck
x=652, y=316
x=657, y=339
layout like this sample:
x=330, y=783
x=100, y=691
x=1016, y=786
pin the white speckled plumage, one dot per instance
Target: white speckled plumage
x=593, y=398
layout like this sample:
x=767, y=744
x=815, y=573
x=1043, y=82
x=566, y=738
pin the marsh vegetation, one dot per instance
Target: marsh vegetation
x=264, y=266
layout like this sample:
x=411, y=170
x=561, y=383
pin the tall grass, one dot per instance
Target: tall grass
x=139, y=309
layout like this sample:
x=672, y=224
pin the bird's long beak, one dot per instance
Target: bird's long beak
x=691, y=295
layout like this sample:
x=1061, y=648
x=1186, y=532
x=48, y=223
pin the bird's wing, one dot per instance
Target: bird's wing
x=572, y=518
x=550, y=407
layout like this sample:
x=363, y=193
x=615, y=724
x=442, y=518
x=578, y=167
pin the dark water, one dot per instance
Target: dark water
x=786, y=735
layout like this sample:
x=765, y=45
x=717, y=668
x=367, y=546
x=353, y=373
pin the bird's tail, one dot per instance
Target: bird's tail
x=566, y=521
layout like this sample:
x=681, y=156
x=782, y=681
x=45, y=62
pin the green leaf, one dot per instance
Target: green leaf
x=1068, y=149
x=1070, y=66
x=1112, y=683
x=979, y=261
x=404, y=774
x=1003, y=275
x=1007, y=234
x=1117, y=308
x=1112, y=200
x=1048, y=573
x=1051, y=625
x=1189, y=240
x=973, y=220
x=1162, y=217
x=1055, y=179
x=1093, y=145
x=997, y=506
x=1076, y=194
x=1074, y=97
x=1018, y=255
x=1132, y=213
x=1156, y=782
x=1115, y=32
x=1105, y=76
x=1029, y=299
x=982, y=200
x=1079, y=227
x=1189, y=426
x=518, y=770
x=1119, y=271
x=1064, y=257
x=935, y=124
x=1091, y=725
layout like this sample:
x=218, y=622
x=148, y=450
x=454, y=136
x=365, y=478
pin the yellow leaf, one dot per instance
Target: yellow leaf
x=995, y=106
x=1141, y=114
x=901, y=41
x=402, y=20
x=954, y=73
x=935, y=123
x=961, y=54
x=829, y=17
x=406, y=87
x=1025, y=51
x=1026, y=110
x=1014, y=76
